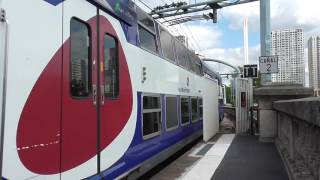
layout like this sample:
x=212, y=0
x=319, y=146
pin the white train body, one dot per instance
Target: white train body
x=62, y=120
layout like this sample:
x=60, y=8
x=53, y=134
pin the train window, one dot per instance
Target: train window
x=194, y=109
x=200, y=106
x=195, y=63
x=147, y=33
x=151, y=102
x=172, y=121
x=199, y=68
x=145, y=20
x=151, y=116
x=167, y=44
x=185, y=110
x=192, y=62
x=111, y=67
x=80, y=58
x=182, y=55
x=147, y=39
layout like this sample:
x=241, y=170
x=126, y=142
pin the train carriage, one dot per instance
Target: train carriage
x=96, y=89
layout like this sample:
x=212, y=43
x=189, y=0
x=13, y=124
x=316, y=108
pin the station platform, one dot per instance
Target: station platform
x=227, y=157
x=249, y=159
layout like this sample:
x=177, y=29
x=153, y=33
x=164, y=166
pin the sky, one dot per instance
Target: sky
x=224, y=40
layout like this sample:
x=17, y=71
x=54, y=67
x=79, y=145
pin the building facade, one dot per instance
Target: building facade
x=314, y=63
x=289, y=46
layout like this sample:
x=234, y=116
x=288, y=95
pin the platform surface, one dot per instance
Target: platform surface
x=200, y=162
x=248, y=159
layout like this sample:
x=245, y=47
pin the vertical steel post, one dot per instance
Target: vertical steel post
x=245, y=41
x=3, y=76
x=251, y=121
x=265, y=36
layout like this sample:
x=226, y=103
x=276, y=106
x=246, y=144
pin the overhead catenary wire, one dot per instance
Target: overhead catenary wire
x=147, y=6
x=196, y=45
x=177, y=32
x=184, y=32
x=200, y=49
x=187, y=29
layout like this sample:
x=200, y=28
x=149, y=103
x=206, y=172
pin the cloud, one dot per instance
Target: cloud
x=201, y=34
x=234, y=56
x=235, y=15
x=285, y=14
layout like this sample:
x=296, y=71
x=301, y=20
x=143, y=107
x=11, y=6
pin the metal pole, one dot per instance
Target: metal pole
x=251, y=121
x=245, y=41
x=265, y=36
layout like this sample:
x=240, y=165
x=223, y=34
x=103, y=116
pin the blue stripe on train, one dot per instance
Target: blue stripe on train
x=54, y=2
x=141, y=150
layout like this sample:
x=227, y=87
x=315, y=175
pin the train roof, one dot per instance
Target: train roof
x=130, y=13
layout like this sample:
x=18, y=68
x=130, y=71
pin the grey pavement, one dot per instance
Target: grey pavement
x=227, y=125
x=248, y=159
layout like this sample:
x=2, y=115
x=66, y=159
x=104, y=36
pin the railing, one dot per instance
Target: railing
x=298, y=136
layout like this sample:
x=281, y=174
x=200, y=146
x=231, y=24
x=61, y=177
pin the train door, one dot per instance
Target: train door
x=115, y=91
x=80, y=102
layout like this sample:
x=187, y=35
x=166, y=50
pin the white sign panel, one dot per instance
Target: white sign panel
x=268, y=64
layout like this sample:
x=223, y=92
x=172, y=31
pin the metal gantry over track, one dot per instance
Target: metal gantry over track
x=182, y=8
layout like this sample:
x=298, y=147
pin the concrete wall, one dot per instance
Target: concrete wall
x=298, y=140
x=265, y=96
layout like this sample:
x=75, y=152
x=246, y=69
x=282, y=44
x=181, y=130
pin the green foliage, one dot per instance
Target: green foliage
x=257, y=81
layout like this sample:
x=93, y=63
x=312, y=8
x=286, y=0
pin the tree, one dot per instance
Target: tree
x=257, y=81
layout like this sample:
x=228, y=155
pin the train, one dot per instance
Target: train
x=96, y=89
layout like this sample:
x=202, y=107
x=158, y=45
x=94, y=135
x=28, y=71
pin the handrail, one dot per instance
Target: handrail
x=238, y=72
x=211, y=72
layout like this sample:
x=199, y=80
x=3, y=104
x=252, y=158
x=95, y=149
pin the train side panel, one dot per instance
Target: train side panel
x=35, y=37
x=162, y=78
